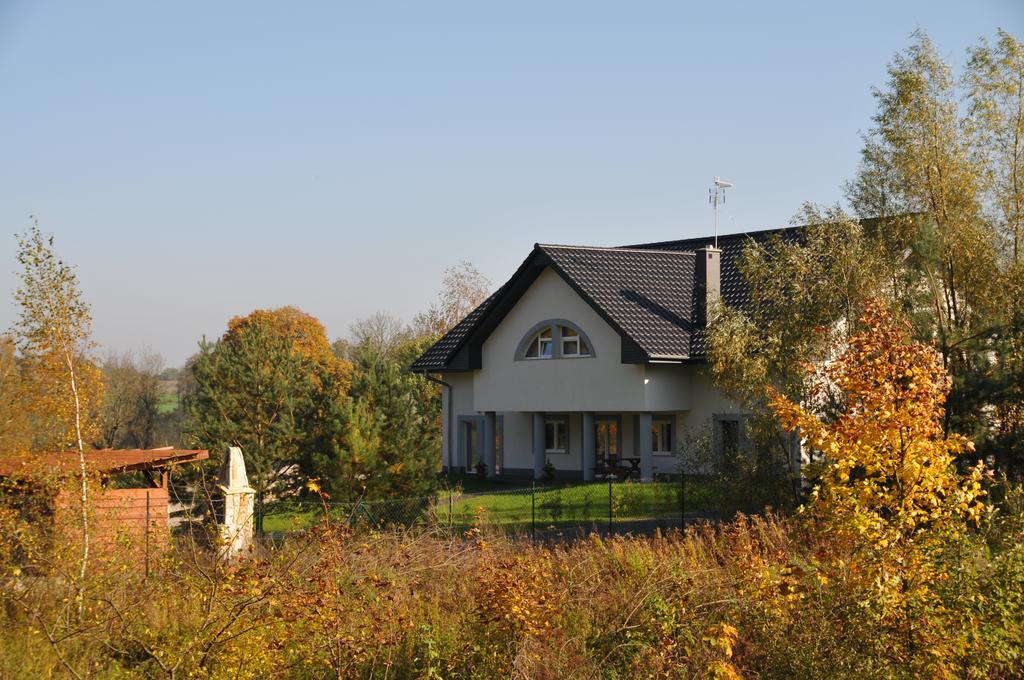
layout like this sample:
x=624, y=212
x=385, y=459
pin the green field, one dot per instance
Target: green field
x=579, y=504
x=168, y=402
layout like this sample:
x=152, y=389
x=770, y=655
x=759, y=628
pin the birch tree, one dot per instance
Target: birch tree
x=462, y=291
x=53, y=332
x=921, y=173
x=995, y=87
x=994, y=81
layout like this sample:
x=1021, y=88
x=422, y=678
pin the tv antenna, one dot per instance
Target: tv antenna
x=716, y=196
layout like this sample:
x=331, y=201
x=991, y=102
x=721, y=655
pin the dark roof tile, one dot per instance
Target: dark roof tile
x=646, y=294
x=733, y=287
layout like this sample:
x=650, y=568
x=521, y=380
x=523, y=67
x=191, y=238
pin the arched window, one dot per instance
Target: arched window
x=555, y=339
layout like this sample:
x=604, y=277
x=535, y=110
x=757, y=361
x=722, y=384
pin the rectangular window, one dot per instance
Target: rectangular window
x=729, y=436
x=499, y=438
x=472, y=444
x=556, y=436
x=728, y=440
x=661, y=436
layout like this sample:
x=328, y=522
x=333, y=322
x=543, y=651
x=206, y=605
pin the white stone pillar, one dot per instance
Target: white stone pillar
x=644, y=424
x=490, y=426
x=538, y=445
x=589, y=447
x=239, y=498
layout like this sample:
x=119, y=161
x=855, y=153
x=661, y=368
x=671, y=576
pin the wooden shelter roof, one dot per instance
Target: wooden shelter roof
x=105, y=461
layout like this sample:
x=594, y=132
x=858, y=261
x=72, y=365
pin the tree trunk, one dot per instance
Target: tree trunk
x=81, y=465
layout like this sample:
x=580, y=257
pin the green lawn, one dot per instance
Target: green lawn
x=573, y=504
x=289, y=520
x=568, y=504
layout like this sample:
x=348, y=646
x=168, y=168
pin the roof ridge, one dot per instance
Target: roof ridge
x=627, y=249
x=749, y=232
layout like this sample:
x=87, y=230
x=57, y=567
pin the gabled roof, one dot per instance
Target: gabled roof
x=645, y=295
x=440, y=354
x=645, y=292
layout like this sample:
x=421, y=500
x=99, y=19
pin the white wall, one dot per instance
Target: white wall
x=686, y=387
x=461, y=404
x=598, y=383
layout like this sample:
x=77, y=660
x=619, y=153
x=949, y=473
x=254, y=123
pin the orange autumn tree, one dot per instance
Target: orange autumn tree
x=305, y=332
x=890, y=492
x=307, y=336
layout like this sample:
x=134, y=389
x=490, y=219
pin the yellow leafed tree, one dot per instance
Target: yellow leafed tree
x=63, y=389
x=890, y=491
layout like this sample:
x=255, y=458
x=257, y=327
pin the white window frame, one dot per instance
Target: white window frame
x=548, y=341
x=535, y=348
x=559, y=423
x=571, y=335
x=554, y=334
x=656, y=435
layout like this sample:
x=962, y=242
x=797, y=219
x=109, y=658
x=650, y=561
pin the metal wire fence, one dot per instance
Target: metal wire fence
x=608, y=506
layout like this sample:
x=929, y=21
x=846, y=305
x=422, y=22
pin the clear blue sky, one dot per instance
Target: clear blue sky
x=198, y=160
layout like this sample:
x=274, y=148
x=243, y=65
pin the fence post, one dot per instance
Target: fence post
x=533, y=511
x=682, y=499
x=147, y=533
x=259, y=514
x=609, y=505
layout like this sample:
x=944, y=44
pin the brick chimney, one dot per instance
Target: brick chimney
x=707, y=275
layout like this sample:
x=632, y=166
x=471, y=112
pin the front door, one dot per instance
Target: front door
x=606, y=438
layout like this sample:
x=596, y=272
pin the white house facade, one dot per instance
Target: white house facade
x=588, y=358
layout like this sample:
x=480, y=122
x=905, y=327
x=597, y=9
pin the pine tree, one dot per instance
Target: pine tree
x=259, y=391
x=390, y=447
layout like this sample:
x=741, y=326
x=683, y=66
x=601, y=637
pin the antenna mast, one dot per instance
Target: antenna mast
x=716, y=195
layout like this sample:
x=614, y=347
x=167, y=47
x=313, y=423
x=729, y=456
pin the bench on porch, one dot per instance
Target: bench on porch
x=622, y=467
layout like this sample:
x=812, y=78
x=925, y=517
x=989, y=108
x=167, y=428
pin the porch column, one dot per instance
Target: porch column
x=644, y=422
x=448, y=437
x=489, y=430
x=587, y=440
x=538, y=445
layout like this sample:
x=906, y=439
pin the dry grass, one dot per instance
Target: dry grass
x=747, y=598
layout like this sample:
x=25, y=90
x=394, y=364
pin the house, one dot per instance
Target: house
x=589, y=357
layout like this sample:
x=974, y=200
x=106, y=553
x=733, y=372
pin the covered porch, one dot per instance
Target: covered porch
x=585, y=445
